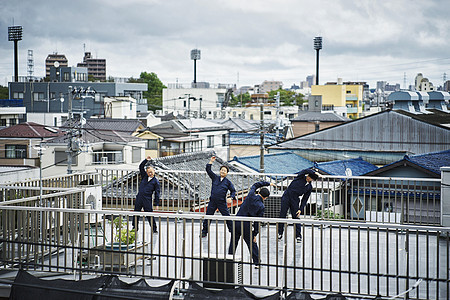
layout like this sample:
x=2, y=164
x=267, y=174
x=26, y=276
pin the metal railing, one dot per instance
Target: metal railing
x=362, y=198
x=352, y=258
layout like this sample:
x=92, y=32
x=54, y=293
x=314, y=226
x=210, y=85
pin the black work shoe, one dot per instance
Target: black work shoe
x=204, y=234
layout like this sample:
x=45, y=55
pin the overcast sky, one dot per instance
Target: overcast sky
x=241, y=41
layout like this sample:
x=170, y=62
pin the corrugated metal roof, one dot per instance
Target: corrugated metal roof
x=358, y=167
x=311, y=116
x=278, y=163
x=388, y=131
x=239, y=138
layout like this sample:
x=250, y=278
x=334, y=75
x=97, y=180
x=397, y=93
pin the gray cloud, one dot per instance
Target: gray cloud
x=259, y=40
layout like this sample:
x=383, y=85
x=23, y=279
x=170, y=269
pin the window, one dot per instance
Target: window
x=17, y=95
x=16, y=151
x=66, y=76
x=152, y=144
x=61, y=158
x=38, y=96
x=348, y=92
x=110, y=157
x=2, y=122
x=136, y=154
x=225, y=139
x=210, y=141
x=12, y=122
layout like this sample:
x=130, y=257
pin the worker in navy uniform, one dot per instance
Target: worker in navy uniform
x=149, y=185
x=253, y=206
x=219, y=189
x=300, y=186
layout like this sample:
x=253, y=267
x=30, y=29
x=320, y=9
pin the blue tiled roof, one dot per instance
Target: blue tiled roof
x=431, y=161
x=358, y=166
x=239, y=138
x=277, y=163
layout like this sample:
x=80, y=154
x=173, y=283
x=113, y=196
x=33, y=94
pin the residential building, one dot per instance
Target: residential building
x=96, y=66
x=184, y=136
x=68, y=74
x=311, y=121
x=311, y=79
x=123, y=107
x=423, y=84
x=195, y=102
x=268, y=86
x=108, y=143
x=59, y=59
x=87, y=97
x=346, y=98
x=18, y=143
x=246, y=144
x=12, y=112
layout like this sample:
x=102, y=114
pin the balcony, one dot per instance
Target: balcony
x=362, y=236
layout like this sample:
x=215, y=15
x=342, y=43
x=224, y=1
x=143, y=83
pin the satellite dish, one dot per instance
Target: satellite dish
x=348, y=172
x=56, y=64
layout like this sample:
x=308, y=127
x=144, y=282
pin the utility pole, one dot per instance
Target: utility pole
x=277, y=97
x=261, y=153
x=70, y=124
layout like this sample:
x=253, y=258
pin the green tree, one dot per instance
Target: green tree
x=287, y=98
x=4, y=92
x=154, y=91
x=240, y=100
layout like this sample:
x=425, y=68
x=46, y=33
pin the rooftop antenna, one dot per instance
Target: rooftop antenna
x=30, y=65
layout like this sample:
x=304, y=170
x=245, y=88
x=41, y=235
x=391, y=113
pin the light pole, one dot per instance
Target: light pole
x=317, y=47
x=195, y=55
x=15, y=35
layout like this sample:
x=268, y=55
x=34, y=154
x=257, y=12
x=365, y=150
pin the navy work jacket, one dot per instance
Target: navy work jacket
x=298, y=187
x=147, y=187
x=220, y=188
x=253, y=205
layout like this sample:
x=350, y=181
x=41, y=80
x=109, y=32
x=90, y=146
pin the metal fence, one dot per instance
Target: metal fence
x=373, y=199
x=357, y=259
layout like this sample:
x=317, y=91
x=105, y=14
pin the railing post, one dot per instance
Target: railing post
x=445, y=196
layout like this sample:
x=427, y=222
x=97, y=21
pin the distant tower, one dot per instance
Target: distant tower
x=317, y=47
x=195, y=55
x=15, y=35
x=30, y=65
x=404, y=80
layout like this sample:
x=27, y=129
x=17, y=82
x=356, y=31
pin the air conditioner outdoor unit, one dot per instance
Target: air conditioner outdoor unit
x=92, y=200
x=217, y=269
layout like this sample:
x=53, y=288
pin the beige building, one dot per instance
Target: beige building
x=268, y=86
x=52, y=59
x=345, y=98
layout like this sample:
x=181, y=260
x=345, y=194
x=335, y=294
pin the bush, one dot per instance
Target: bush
x=122, y=233
x=328, y=214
